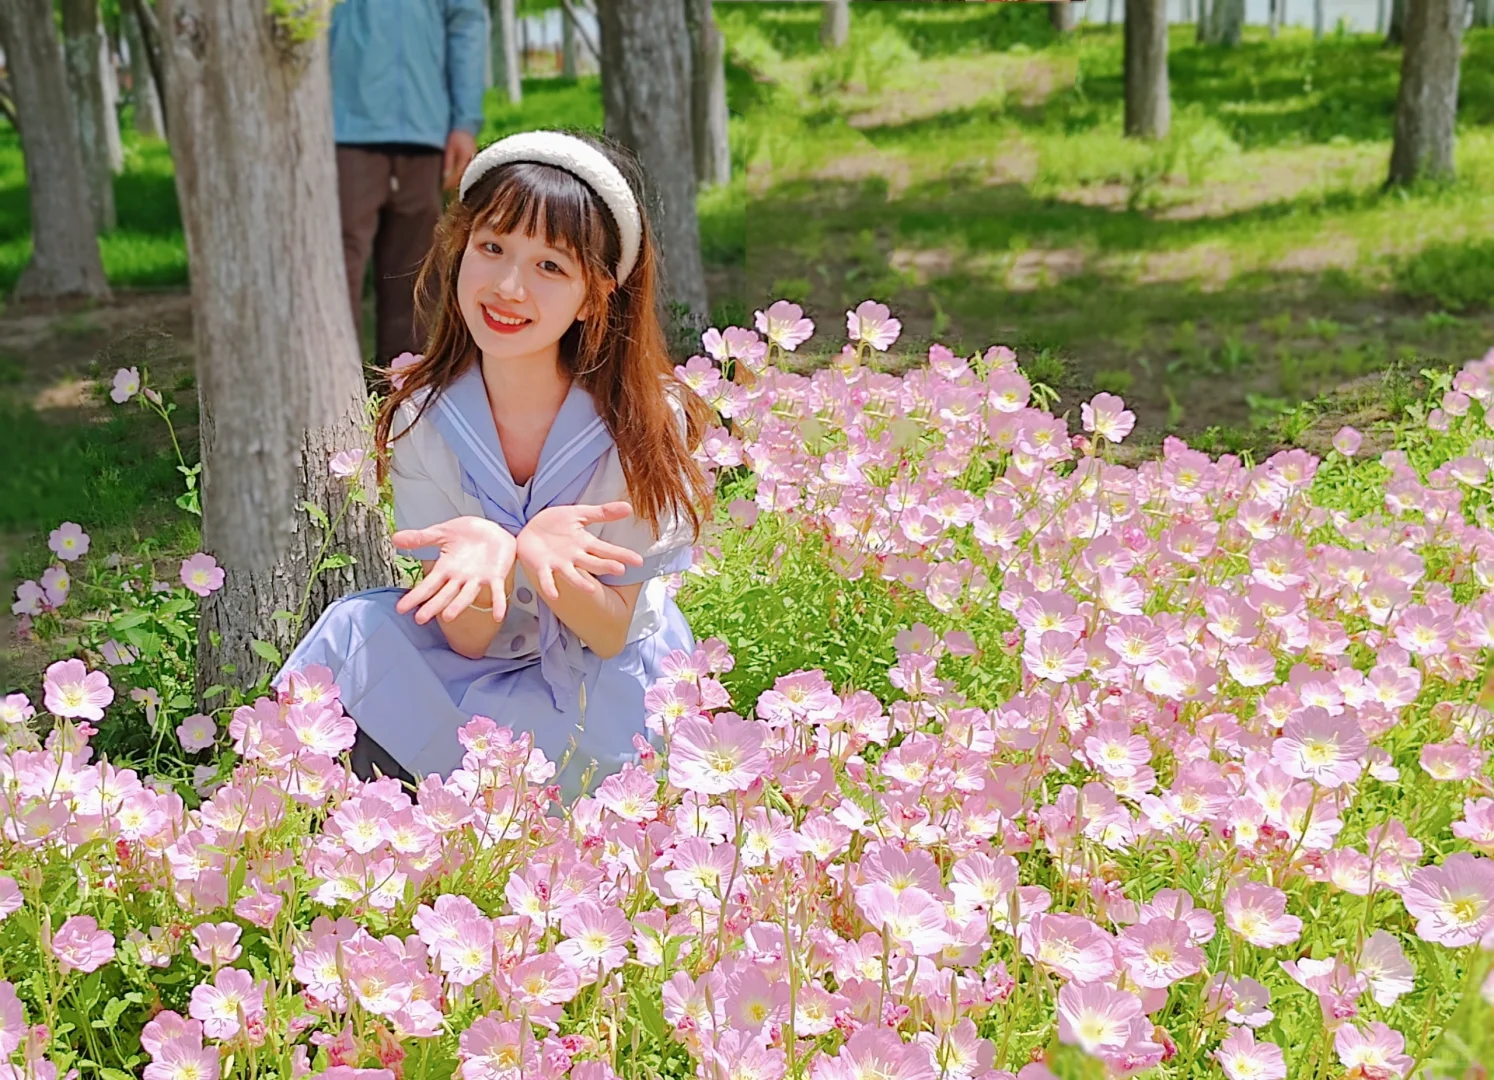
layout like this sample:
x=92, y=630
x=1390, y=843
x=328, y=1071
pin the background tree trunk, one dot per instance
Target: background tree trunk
x=82, y=48
x=1273, y=17
x=1318, y=16
x=1426, y=110
x=567, y=45
x=149, y=120
x=1483, y=13
x=1110, y=11
x=504, y=36
x=646, y=102
x=1396, y=32
x=708, y=95
x=1226, y=23
x=278, y=372
x=64, y=248
x=835, y=26
x=1148, y=108
x=1205, y=20
x=1380, y=13
x=1063, y=14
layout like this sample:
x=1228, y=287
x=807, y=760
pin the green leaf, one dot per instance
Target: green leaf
x=115, y=1074
x=216, y=690
x=265, y=651
x=648, y=1010
x=334, y=561
x=316, y=513
x=180, y=701
x=282, y=615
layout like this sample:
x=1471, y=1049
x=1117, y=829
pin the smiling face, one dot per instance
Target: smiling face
x=518, y=294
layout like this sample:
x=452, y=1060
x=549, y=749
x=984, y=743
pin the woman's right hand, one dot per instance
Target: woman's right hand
x=474, y=552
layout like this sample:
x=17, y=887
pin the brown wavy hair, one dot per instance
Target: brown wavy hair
x=619, y=354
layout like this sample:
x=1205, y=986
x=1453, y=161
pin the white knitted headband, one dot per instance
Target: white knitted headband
x=582, y=160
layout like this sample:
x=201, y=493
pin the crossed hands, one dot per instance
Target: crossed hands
x=476, y=552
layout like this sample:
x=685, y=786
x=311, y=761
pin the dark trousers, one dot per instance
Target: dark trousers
x=370, y=761
x=390, y=203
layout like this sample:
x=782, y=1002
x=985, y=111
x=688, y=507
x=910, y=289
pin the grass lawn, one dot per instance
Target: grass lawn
x=960, y=163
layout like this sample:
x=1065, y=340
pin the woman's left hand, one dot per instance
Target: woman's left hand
x=555, y=541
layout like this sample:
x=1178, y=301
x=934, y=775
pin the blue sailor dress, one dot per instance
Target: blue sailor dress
x=404, y=685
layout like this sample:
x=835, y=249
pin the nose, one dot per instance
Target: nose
x=510, y=283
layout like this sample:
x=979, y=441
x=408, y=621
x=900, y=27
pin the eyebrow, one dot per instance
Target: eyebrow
x=492, y=227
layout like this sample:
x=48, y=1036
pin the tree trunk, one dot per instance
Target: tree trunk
x=1205, y=13
x=568, y=45
x=708, y=95
x=835, y=25
x=278, y=372
x=1063, y=14
x=646, y=103
x=1148, y=108
x=1318, y=16
x=150, y=37
x=109, y=83
x=1110, y=11
x=81, y=47
x=1483, y=13
x=1226, y=23
x=1426, y=110
x=573, y=25
x=149, y=120
x=505, y=50
x=64, y=250
x=1395, y=34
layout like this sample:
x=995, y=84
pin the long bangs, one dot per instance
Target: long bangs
x=542, y=200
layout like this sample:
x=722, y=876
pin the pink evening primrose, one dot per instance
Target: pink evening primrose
x=202, y=574
x=1453, y=903
x=1242, y=1058
x=784, y=325
x=1258, y=914
x=346, y=463
x=1377, y=1051
x=1107, y=416
x=196, y=732
x=126, y=385
x=1347, y=441
x=873, y=323
x=68, y=541
x=73, y=692
x=80, y=945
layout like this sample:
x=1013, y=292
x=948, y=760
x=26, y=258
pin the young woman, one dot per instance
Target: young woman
x=542, y=474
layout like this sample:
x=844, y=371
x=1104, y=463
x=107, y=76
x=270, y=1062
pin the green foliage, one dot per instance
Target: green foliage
x=1458, y=275
x=301, y=20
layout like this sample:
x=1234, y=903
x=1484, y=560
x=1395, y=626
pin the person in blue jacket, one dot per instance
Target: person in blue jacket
x=407, y=84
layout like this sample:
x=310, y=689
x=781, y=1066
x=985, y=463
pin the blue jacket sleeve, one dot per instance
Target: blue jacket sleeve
x=466, y=62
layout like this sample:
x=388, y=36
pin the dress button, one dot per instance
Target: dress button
x=518, y=642
x=523, y=595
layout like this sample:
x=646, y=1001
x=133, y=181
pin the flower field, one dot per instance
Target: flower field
x=997, y=758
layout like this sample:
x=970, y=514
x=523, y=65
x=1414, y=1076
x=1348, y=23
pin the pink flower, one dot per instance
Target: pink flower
x=1095, y=1017
x=80, y=945
x=72, y=691
x=346, y=463
x=16, y=709
x=1258, y=914
x=1453, y=903
x=1378, y=1051
x=197, y=732
x=877, y=1053
x=1158, y=953
x=493, y=1049
x=218, y=1005
x=126, y=385
x=217, y=944
x=12, y=1020
x=321, y=728
x=1054, y=655
x=717, y=756
x=912, y=917
x=1242, y=1058
x=400, y=363
x=1347, y=441
x=873, y=323
x=596, y=939
x=185, y=1059
x=68, y=541
x=1319, y=747
x=1070, y=945
x=1107, y=416
x=784, y=324
x=202, y=574
x=56, y=583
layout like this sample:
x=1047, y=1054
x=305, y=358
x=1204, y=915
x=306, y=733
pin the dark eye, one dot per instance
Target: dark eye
x=551, y=263
x=491, y=247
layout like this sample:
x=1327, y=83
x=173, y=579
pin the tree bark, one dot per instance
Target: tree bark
x=1226, y=23
x=1483, y=13
x=835, y=25
x=64, y=249
x=150, y=37
x=1318, y=16
x=82, y=48
x=567, y=45
x=1426, y=110
x=1110, y=11
x=1063, y=14
x=1148, y=107
x=646, y=97
x=1395, y=34
x=278, y=372
x=708, y=110
x=149, y=120
x=504, y=37
x=573, y=23
x=1205, y=13
x=1273, y=18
